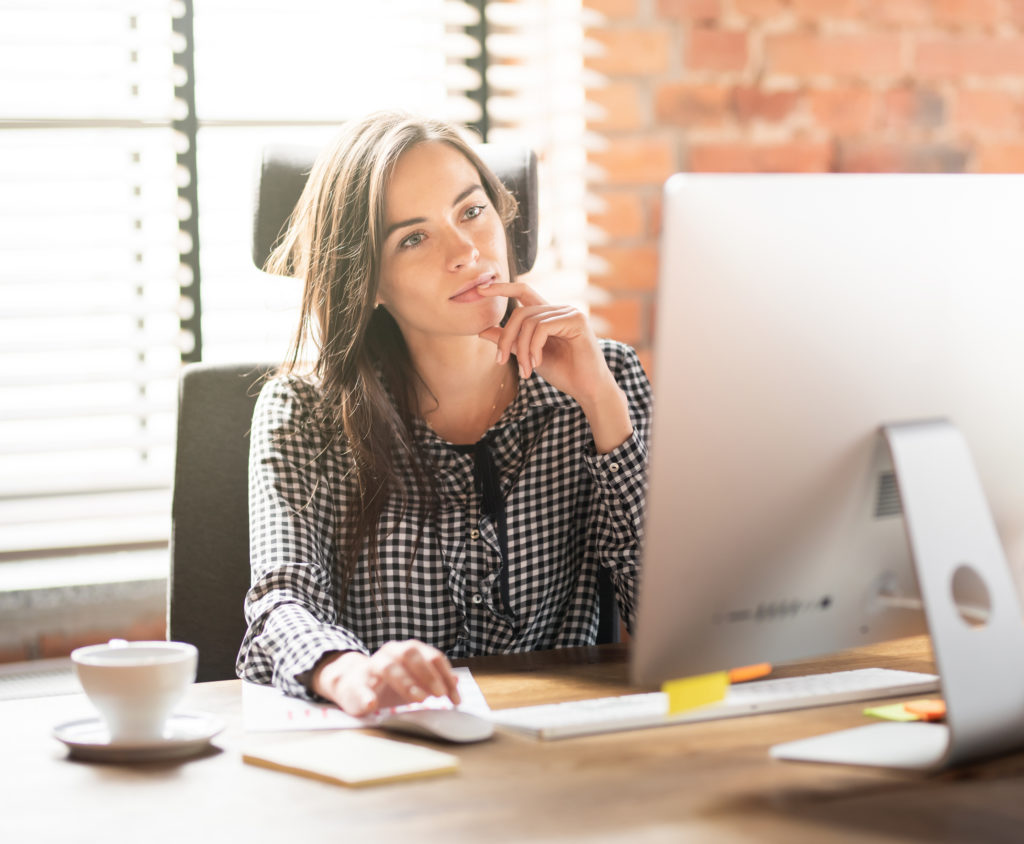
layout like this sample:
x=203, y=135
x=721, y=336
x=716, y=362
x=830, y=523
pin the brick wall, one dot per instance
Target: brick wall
x=786, y=85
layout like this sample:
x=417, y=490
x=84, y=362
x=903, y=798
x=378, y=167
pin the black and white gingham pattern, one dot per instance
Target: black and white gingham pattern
x=569, y=510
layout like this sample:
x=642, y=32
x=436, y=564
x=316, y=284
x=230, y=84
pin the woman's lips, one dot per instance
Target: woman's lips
x=468, y=292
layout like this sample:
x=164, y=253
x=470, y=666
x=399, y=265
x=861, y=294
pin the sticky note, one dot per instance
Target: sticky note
x=891, y=712
x=691, y=692
x=353, y=759
x=927, y=710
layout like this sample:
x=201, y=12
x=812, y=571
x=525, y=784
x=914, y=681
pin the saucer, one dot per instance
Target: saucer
x=187, y=733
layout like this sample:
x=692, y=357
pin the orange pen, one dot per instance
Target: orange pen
x=749, y=672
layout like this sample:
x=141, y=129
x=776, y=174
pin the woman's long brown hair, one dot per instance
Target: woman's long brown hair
x=353, y=349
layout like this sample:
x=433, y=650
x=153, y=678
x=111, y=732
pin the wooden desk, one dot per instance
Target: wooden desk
x=701, y=782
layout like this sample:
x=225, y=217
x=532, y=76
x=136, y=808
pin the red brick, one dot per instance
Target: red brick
x=1000, y=158
x=761, y=9
x=977, y=56
x=690, y=10
x=681, y=104
x=742, y=157
x=818, y=9
x=1015, y=12
x=630, y=268
x=621, y=320
x=53, y=645
x=717, y=49
x=613, y=9
x=843, y=110
x=751, y=103
x=642, y=160
x=15, y=653
x=967, y=12
x=631, y=52
x=982, y=111
x=901, y=12
x=623, y=217
x=912, y=108
x=894, y=157
x=655, y=214
x=803, y=54
x=144, y=628
x=621, y=103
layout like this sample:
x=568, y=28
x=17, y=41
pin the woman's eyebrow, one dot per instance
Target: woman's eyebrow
x=414, y=221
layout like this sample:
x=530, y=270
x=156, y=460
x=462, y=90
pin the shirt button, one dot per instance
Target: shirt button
x=613, y=467
x=478, y=598
x=474, y=534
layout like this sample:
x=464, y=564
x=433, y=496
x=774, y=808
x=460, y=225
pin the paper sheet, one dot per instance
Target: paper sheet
x=265, y=708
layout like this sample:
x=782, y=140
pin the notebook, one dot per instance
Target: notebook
x=353, y=759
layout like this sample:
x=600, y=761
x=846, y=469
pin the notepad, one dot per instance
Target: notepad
x=352, y=759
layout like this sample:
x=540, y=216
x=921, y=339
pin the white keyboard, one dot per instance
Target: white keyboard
x=650, y=709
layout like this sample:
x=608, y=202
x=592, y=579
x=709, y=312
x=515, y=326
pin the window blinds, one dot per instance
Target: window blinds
x=89, y=343
x=90, y=335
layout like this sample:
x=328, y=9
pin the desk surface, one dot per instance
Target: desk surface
x=711, y=781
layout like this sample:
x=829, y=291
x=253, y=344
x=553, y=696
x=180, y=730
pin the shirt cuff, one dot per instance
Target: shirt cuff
x=623, y=468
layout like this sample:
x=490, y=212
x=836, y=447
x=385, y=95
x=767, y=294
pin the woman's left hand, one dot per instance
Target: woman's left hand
x=558, y=343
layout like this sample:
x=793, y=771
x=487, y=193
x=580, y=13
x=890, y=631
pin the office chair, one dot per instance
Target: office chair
x=209, y=509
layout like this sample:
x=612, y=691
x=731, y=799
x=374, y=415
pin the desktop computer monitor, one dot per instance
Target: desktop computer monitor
x=797, y=315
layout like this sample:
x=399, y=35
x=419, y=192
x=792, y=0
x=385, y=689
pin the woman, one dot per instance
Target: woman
x=459, y=458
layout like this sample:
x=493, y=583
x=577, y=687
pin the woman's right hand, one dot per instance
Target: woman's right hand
x=397, y=674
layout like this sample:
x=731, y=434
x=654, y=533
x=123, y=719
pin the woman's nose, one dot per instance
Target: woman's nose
x=461, y=250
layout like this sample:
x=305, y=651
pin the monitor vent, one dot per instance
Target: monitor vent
x=888, y=501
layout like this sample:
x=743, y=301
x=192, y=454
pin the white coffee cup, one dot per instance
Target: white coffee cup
x=136, y=685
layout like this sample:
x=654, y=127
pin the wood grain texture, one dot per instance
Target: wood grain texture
x=711, y=781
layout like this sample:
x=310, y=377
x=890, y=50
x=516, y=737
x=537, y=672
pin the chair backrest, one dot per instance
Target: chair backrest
x=210, y=518
x=210, y=514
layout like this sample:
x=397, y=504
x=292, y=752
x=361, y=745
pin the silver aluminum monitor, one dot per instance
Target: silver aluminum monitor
x=797, y=316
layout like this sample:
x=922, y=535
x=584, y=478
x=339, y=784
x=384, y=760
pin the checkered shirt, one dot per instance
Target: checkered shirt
x=569, y=511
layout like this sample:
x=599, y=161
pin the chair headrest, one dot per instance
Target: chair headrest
x=284, y=170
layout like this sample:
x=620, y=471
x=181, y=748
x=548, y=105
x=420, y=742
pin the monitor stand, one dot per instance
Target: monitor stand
x=956, y=552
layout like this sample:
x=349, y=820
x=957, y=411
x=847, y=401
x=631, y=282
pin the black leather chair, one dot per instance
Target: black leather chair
x=210, y=517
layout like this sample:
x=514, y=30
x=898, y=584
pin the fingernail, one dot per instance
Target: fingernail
x=497, y=358
x=533, y=362
x=522, y=371
x=416, y=692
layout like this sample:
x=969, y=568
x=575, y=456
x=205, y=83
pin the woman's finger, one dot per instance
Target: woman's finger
x=447, y=674
x=551, y=324
x=509, y=334
x=424, y=673
x=518, y=290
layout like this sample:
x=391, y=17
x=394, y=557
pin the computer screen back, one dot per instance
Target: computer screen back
x=796, y=315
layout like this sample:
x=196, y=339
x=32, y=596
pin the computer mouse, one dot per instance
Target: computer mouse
x=452, y=725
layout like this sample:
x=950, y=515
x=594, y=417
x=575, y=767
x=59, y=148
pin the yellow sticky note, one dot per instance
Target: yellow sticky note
x=691, y=692
x=891, y=712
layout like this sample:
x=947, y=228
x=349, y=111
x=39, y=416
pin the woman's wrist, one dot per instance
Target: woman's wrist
x=330, y=669
x=608, y=415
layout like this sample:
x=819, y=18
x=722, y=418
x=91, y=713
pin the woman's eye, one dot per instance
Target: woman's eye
x=474, y=211
x=412, y=240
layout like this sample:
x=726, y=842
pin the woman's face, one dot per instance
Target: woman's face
x=442, y=238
